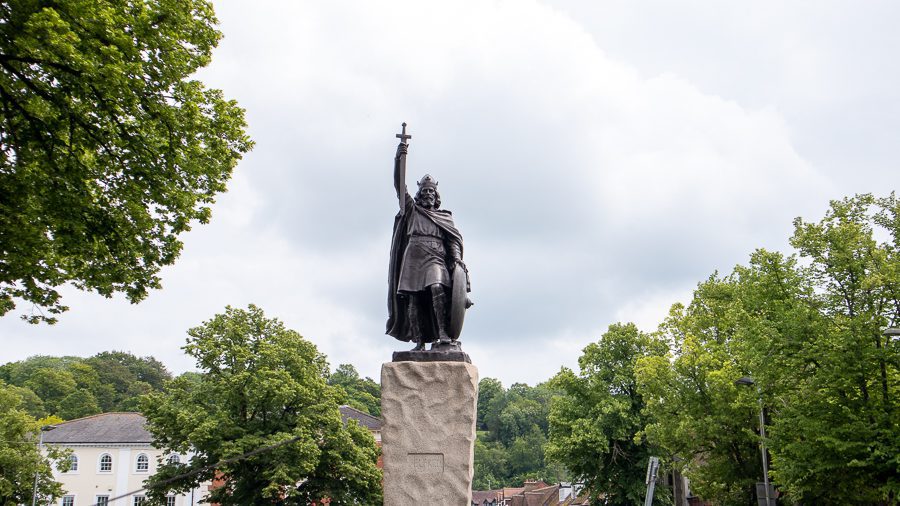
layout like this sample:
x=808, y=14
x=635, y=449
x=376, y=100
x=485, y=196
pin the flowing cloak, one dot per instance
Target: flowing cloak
x=398, y=323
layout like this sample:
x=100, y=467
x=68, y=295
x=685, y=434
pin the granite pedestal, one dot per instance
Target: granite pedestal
x=428, y=435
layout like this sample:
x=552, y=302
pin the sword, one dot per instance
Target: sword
x=403, y=136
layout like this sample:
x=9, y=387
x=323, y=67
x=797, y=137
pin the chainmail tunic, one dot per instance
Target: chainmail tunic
x=424, y=261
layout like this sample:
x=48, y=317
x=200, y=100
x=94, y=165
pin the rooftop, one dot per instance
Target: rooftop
x=366, y=420
x=124, y=428
x=101, y=428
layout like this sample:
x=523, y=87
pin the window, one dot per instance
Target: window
x=143, y=463
x=170, y=500
x=68, y=500
x=73, y=464
x=102, y=500
x=174, y=459
x=106, y=463
x=140, y=500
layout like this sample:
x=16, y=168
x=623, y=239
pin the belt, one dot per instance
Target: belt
x=424, y=238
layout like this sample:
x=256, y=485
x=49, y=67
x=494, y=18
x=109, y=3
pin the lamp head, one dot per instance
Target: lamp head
x=745, y=380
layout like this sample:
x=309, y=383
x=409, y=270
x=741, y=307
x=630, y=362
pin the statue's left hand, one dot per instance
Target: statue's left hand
x=459, y=263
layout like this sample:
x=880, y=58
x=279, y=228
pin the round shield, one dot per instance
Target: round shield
x=457, y=303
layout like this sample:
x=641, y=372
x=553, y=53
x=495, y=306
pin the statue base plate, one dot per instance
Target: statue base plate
x=438, y=353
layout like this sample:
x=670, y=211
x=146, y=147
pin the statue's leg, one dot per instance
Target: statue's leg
x=415, y=328
x=439, y=303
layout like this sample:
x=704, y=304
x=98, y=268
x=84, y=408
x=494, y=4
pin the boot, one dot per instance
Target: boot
x=414, y=328
x=440, y=316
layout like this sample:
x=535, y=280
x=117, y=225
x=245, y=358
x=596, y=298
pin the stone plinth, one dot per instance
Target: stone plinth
x=428, y=436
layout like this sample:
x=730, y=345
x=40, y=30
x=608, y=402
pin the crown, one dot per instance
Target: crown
x=427, y=181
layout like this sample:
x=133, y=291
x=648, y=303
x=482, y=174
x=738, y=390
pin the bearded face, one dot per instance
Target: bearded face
x=427, y=197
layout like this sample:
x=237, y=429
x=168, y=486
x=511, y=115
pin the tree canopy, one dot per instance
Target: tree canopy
x=808, y=328
x=695, y=412
x=72, y=387
x=21, y=461
x=361, y=393
x=596, y=424
x=262, y=389
x=108, y=149
x=512, y=432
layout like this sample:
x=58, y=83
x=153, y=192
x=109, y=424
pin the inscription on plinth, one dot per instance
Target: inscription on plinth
x=430, y=463
x=428, y=435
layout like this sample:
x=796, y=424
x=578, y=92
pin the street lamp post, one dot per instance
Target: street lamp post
x=37, y=472
x=748, y=381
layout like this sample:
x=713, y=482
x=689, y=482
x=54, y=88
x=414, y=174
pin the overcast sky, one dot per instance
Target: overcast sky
x=600, y=158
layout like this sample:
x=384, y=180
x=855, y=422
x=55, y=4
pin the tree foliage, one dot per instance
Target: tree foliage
x=20, y=458
x=809, y=329
x=261, y=386
x=512, y=432
x=361, y=393
x=596, y=424
x=836, y=431
x=72, y=387
x=108, y=150
x=695, y=412
x=124, y=377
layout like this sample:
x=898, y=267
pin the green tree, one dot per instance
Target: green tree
x=144, y=369
x=836, y=431
x=488, y=390
x=595, y=425
x=17, y=373
x=72, y=387
x=79, y=403
x=20, y=459
x=809, y=331
x=262, y=388
x=108, y=149
x=510, y=446
x=123, y=377
x=696, y=413
x=52, y=386
x=30, y=402
x=362, y=393
x=491, y=465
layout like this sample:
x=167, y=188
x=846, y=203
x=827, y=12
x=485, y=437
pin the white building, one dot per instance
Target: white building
x=112, y=455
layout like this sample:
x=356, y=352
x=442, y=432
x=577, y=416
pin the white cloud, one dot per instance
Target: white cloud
x=598, y=162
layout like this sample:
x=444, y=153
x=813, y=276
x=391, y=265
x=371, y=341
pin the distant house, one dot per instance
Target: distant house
x=487, y=497
x=112, y=454
x=536, y=493
x=533, y=493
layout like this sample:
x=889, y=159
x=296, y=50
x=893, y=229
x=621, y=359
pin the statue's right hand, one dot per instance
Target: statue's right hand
x=402, y=149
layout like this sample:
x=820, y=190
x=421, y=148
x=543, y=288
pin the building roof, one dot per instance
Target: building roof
x=545, y=496
x=122, y=428
x=534, y=493
x=366, y=420
x=110, y=428
x=511, y=491
x=480, y=496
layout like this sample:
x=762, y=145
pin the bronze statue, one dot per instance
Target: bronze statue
x=428, y=280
